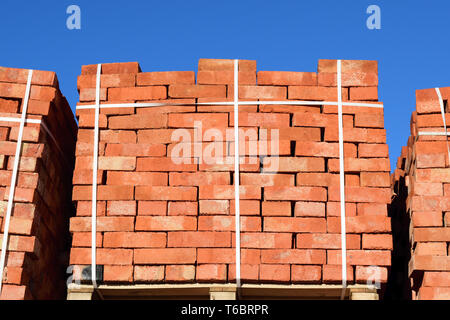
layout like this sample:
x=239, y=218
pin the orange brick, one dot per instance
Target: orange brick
x=197, y=239
x=247, y=207
x=364, y=93
x=165, y=223
x=259, y=92
x=276, y=208
x=377, y=241
x=104, y=256
x=211, y=272
x=249, y=272
x=350, y=79
x=309, y=209
x=83, y=224
x=294, y=256
x=323, y=149
x=332, y=273
x=106, y=81
x=302, y=119
x=199, y=178
x=267, y=179
x=348, y=66
x=148, y=273
x=312, y=93
x=137, y=93
x=214, y=207
x=163, y=164
x=104, y=193
x=436, y=293
x=306, y=274
x=356, y=135
x=361, y=194
x=326, y=241
x=197, y=91
x=361, y=257
x=265, y=240
x=227, y=223
x=294, y=164
x=134, y=240
x=180, y=273
x=275, y=272
x=179, y=208
x=431, y=234
x=225, y=77
x=165, y=256
x=227, y=255
x=112, y=68
x=118, y=273
x=369, y=209
x=294, y=224
x=152, y=208
x=225, y=192
x=226, y=65
x=372, y=150
x=166, y=193
x=295, y=193
x=135, y=150
x=375, y=179
x=436, y=279
x=427, y=219
x=431, y=248
x=137, y=178
x=141, y=121
x=431, y=263
x=360, y=224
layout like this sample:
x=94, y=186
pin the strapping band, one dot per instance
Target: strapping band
x=441, y=104
x=342, y=182
x=94, y=181
x=236, y=173
x=12, y=187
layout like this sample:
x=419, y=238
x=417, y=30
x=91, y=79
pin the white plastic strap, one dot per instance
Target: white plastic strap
x=433, y=133
x=8, y=119
x=236, y=173
x=342, y=182
x=94, y=182
x=231, y=103
x=441, y=104
x=12, y=187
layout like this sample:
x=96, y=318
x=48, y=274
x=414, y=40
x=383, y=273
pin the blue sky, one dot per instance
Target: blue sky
x=412, y=47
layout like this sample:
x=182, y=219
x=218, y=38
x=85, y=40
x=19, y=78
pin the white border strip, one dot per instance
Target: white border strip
x=229, y=103
x=236, y=174
x=94, y=182
x=12, y=187
x=342, y=182
x=441, y=104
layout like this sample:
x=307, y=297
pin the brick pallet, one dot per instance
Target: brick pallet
x=166, y=215
x=38, y=244
x=421, y=186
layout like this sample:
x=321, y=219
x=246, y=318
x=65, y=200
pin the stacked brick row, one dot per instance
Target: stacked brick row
x=166, y=213
x=38, y=244
x=421, y=181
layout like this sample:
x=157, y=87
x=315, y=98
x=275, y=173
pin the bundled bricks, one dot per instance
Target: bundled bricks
x=421, y=187
x=37, y=250
x=165, y=214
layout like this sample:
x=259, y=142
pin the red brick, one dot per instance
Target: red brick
x=211, y=272
x=431, y=234
x=361, y=194
x=117, y=136
x=182, y=208
x=214, y=207
x=266, y=120
x=199, y=178
x=83, y=224
x=369, y=209
x=249, y=272
x=373, y=150
x=165, y=223
x=166, y=193
x=360, y=224
x=332, y=273
x=306, y=274
x=267, y=179
x=323, y=149
x=436, y=279
x=106, y=81
x=275, y=272
x=141, y=121
x=302, y=119
x=8, y=105
x=134, y=240
x=259, y=92
x=361, y=257
x=104, y=256
x=165, y=78
x=294, y=256
x=224, y=192
x=104, y=193
x=227, y=255
x=356, y=135
x=427, y=189
x=135, y=150
x=112, y=68
x=375, y=179
x=348, y=66
x=137, y=93
x=45, y=78
x=180, y=273
x=377, y=241
x=371, y=274
x=227, y=223
x=364, y=93
x=265, y=240
x=89, y=94
x=350, y=79
x=431, y=263
x=276, y=208
x=118, y=273
x=197, y=91
x=312, y=93
x=148, y=273
x=207, y=120
x=431, y=248
x=247, y=207
x=295, y=193
x=430, y=161
x=163, y=164
x=84, y=239
x=152, y=208
x=309, y=209
x=12, y=292
x=436, y=293
x=293, y=164
x=165, y=256
x=427, y=219
x=226, y=65
x=84, y=208
x=137, y=178
x=294, y=224
x=326, y=241
x=198, y=239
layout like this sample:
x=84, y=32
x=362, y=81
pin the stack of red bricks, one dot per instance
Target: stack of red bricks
x=166, y=213
x=422, y=179
x=38, y=237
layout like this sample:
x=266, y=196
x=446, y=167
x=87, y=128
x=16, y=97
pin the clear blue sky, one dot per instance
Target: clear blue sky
x=412, y=47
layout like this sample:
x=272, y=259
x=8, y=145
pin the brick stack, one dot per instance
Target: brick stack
x=167, y=216
x=421, y=181
x=38, y=246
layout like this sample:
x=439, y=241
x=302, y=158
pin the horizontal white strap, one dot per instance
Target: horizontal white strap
x=433, y=133
x=230, y=103
x=8, y=119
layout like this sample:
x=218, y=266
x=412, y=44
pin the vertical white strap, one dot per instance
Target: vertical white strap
x=342, y=182
x=441, y=103
x=94, y=181
x=236, y=173
x=12, y=187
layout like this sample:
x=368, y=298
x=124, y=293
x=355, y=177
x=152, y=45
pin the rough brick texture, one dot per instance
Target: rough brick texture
x=420, y=209
x=177, y=201
x=39, y=239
